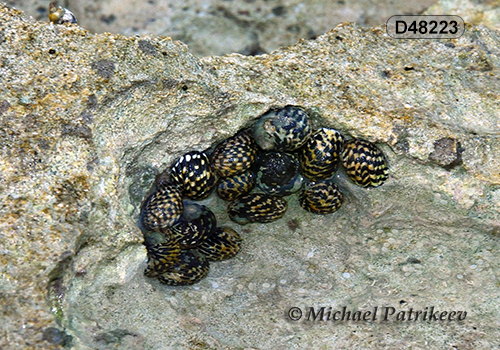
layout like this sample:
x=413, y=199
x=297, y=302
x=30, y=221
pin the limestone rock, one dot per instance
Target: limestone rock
x=87, y=122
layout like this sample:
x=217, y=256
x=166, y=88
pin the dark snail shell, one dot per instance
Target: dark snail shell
x=285, y=129
x=278, y=173
x=223, y=244
x=191, y=267
x=364, y=163
x=320, y=197
x=162, y=257
x=230, y=188
x=195, y=225
x=320, y=156
x=256, y=207
x=234, y=155
x=162, y=209
x=194, y=175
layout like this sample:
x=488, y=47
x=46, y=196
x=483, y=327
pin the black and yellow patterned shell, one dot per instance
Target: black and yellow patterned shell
x=162, y=257
x=234, y=155
x=191, y=267
x=195, y=225
x=320, y=156
x=364, y=163
x=256, y=207
x=162, y=208
x=194, y=175
x=230, y=188
x=283, y=129
x=320, y=197
x=223, y=244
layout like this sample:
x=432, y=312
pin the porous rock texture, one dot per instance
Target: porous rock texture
x=87, y=122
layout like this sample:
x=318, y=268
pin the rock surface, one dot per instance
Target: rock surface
x=88, y=121
x=217, y=27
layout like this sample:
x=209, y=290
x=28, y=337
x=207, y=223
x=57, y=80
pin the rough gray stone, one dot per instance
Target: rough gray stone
x=80, y=149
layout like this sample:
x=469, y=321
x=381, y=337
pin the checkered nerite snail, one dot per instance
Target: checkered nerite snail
x=194, y=227
x=194, y=175
x=162, y=209
x=253, y=170
x=364, y=163
x=223, y=244
x=321, y=197
x=191, y=267
x=234, y=155
x=256, y=207
x=320, y=156
x=283, y=129
x=235, y=186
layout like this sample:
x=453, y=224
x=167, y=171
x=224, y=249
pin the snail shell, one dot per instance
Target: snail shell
x=191, y=267
x=230, y=188
x=234, y=155
x=162, y=257
x=194, y=174
x=224, y=243
x=256, y=207
x=278, y=173
x=195, y=225
x=60, y=15
x=364, y=163
x=285, y=129
x=162, y=208
x=320, y=197
x=320, y=156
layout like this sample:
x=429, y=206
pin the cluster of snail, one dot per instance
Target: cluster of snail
x=254, y=170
